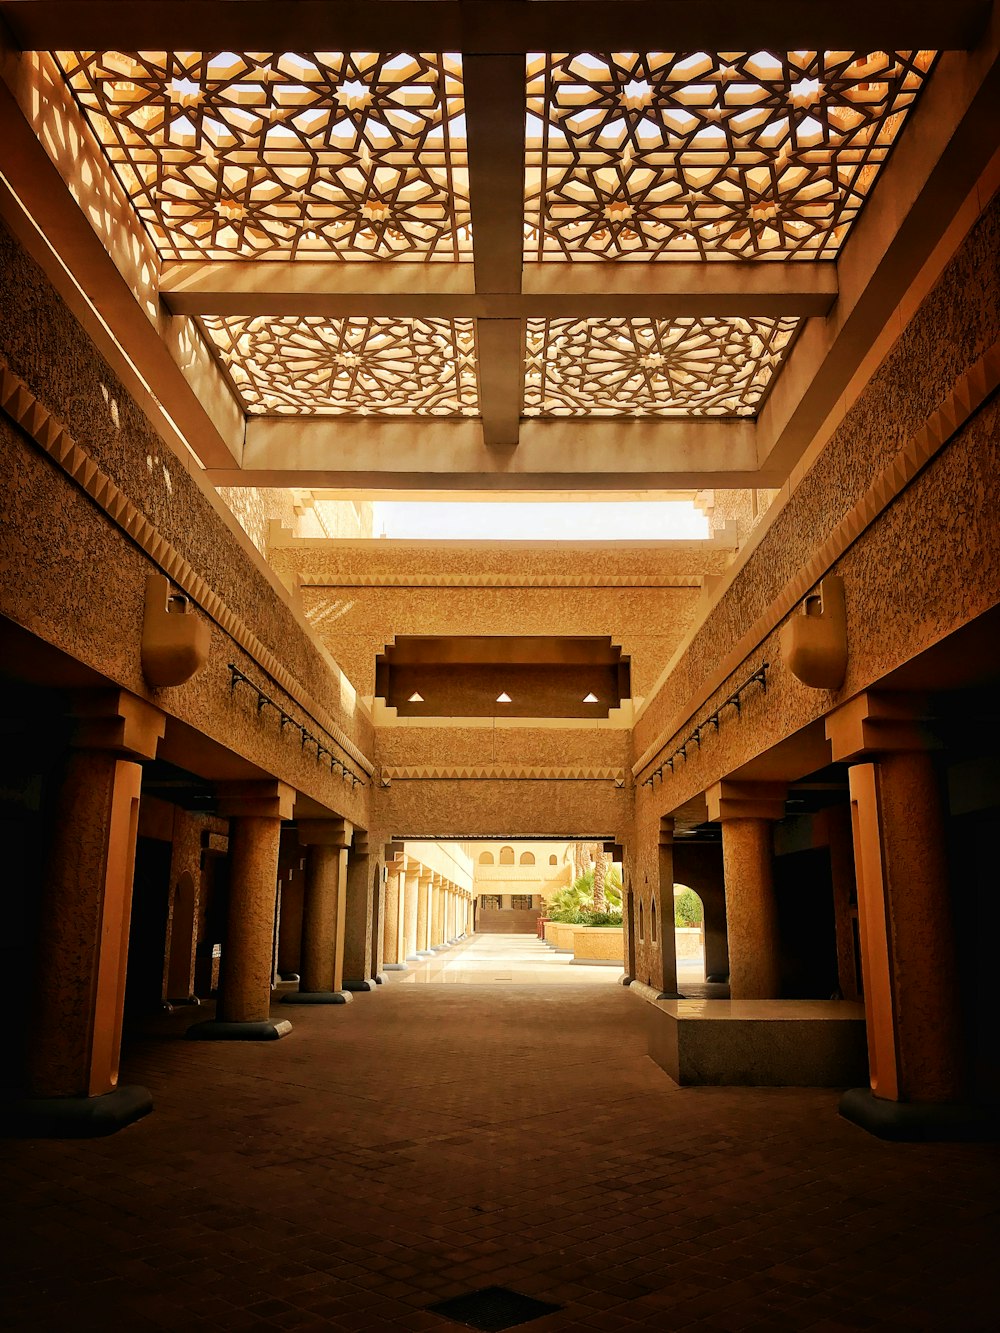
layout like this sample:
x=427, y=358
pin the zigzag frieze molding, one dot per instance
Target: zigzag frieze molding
x=461, y=580
x=969, y=392
x=508, y=772
x=52, y=437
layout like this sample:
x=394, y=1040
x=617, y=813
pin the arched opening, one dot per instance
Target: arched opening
x=642, y=922
x=652, y=920
x=486, y=859
x=527, y=859
x=689, y=933
x=506, y=856
x=553, y=861
x=182, y=935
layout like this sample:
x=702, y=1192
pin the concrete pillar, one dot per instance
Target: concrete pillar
x=379, y=880
x=838, y=827
x=905, y=920
x=747, y=811
x=255, y=811
x=395, y=912
x=424, y=906
x=72, y=1075
x=358, y=954
x=323, y=912
x=185, y=897
x=437, y=928
x=664, y=951
x=410, y=904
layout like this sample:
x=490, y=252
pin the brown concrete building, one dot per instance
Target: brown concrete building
x=250, y=284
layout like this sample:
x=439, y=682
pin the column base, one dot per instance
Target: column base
x=439, y=948
x=625, y=979
x=361, y=984
x=380, y=978
x=414, y=957
x=918, y=1122
x=671, y=995
x=74, y=1117
x=718, y=978
x=424, y=953
x=396, y=967
x=317, y=997
x=217, y=1029
x=289, y=976
x=192, y=1000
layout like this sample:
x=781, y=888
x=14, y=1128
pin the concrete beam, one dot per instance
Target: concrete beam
x=490, y=26
x=500, y=368
x=451, y=455
x=549, y=291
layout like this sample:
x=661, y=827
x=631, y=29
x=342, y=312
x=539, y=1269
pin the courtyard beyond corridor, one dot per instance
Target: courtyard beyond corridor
x=431, y=1140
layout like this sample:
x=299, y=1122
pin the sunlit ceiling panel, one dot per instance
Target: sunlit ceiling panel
x=319, y=155
x=349, y=367
x=652, y=367
x=708, y=156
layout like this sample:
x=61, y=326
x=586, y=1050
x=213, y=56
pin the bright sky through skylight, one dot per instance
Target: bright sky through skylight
x=661, y=520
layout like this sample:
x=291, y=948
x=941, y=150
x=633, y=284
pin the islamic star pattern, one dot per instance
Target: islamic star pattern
x=319, y=155
x=708, y=156
x=652, y=367
x=349, y=367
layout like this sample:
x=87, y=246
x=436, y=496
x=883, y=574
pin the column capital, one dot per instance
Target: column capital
x=734, y=799
x=118, y=721
x=269, y=799
x=876, y=722
x=426, y=876
x=325, y=832
x=666, y=830
x=359, y=844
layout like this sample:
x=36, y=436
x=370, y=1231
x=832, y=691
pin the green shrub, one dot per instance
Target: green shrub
x=687, y=909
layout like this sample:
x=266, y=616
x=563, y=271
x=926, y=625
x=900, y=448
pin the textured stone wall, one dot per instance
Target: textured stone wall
x=927, y=565
x=73, y=578
x=380, y=590
x=254, y=508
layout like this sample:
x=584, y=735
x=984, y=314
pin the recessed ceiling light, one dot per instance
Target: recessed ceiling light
x=415, y=698
x=591, y=698
x=503, y=697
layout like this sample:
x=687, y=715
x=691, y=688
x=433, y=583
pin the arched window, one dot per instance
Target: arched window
x=527, y=859
x=506, y=856
x=652, y=920
x=553, y=861
x=486, y=859
x=642, y=922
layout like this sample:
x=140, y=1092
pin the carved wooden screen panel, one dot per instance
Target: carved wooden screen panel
x=318, y=155
x=708, y=156
x=681, y=367
x=359, y=366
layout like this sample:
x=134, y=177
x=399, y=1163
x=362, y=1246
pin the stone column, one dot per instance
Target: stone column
x=437, y=943
x=379, y=880
x=905, y=922
x=72, y=1088
x=747, y=811
x=664, y=952
x=395, y=911
x=424, y=905
x=411, y=894
x=450, y=932
x=323, y=912
x=185, y=893
x=255, y=811
x=358, y=956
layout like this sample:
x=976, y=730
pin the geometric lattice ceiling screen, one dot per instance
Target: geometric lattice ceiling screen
x=358, y=366
x=652, y=367
x=323, y=155
x=708, y=156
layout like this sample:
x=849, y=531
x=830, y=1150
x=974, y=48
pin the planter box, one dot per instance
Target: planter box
x=599, y=944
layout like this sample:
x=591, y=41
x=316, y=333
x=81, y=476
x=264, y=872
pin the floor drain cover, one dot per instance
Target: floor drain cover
x=493, y=1309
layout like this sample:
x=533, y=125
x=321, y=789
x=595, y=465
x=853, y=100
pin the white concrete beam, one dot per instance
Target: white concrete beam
x=451, y=455
x=490, y=26
x=549, y=291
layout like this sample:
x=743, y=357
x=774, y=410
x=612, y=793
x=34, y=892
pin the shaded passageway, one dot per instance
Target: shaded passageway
x=520, y=960
x=449, y=1138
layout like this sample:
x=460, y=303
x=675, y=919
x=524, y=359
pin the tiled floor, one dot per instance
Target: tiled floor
x=428, y=1140
x=520, y=960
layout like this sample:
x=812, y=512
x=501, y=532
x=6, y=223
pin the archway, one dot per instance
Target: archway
x=689, y=934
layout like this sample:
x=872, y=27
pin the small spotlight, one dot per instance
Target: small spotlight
x=591, y=698
x=415, y=698
x=504, y=698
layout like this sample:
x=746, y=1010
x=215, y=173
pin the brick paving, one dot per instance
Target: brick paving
x=430, y=1140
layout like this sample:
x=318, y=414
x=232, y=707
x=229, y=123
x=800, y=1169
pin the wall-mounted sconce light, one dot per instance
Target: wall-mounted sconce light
x=591, y=698
x=175, y=642
x=814, y=642
x=504, y=698
x=415, y=698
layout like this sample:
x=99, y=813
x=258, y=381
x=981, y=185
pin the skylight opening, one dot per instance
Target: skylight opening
x=571, y=521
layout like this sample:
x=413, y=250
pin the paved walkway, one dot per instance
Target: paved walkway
x=519, y=960
x=429, y=1140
